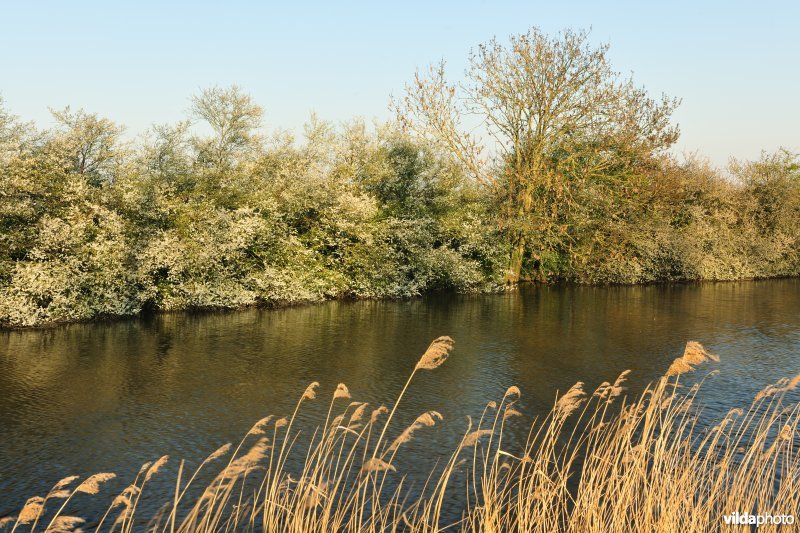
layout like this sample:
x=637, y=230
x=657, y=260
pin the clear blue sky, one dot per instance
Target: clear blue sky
x=734, y=64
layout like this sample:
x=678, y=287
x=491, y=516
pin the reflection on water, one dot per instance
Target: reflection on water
x=88, y=398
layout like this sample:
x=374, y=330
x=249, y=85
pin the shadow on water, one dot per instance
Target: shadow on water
x=102, y=397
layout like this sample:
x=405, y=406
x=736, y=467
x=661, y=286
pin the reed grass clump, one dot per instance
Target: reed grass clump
x=598, y=461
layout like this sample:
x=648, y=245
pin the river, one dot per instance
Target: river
x=106, y=397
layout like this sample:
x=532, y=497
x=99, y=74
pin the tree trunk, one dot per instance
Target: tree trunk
x=514, y=270
x=522, y=203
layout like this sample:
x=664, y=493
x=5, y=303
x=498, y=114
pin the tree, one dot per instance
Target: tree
x=233, y=117
x=218, y=171
x=91, y=142
x=772, y=187
x=557, y=114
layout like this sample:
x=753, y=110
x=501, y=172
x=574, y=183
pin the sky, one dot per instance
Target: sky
x=733, y=64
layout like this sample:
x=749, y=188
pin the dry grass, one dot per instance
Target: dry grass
x=597, y=462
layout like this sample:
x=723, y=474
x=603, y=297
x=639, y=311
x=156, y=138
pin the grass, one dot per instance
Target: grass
x=598, y=461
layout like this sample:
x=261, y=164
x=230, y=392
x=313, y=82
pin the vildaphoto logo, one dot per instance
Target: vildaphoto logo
x=745, y=519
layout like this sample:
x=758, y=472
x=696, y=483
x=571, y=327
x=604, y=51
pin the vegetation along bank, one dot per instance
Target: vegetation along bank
x=541, y=164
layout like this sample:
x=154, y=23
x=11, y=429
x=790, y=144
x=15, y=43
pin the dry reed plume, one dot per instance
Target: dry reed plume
x=598, y=462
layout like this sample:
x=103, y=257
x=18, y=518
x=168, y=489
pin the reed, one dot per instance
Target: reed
x=598, y=461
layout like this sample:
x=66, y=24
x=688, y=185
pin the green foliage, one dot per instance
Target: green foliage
x=92, y=226
x=575, y=157
x=558, y=120
x=96, y=227
x=78, y=268
x=688, y=222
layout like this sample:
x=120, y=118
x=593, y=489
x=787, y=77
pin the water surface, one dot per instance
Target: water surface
x=89, y=398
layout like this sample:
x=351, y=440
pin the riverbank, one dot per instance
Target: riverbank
x=495, y=289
